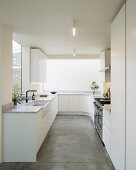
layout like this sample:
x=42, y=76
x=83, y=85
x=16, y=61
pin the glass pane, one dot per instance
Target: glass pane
x=16, y=66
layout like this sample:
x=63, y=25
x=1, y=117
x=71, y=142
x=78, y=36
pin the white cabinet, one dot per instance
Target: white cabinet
x=21, y=138
x=73, y=103
x=49, y=113
x=107, y=130
x=105, y=59
x=46, y=111
x=38, y=66
x=131, y=86
x=54, y=108
x=39, y=134
x=118, y=90
x=24, y=133
x=105, y=62
x=84, y=103
x=63, y=103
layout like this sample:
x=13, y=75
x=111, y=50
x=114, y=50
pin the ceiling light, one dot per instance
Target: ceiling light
x=74, y=54
x=74, y=29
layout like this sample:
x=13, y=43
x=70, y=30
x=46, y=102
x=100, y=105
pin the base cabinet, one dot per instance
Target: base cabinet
x=24, y=133
x=73, y=100
x=63, y=103
x=76, y=103
x=39, y=130
x=84, y=103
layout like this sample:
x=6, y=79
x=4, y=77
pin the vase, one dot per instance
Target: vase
x=15, y=102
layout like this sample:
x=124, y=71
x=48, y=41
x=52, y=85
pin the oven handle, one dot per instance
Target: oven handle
x=97, y=107
x=99, y=112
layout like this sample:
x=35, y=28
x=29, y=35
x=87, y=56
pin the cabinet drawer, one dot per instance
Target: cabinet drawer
x=45, y=111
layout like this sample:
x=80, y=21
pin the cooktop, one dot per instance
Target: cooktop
x=103, y=101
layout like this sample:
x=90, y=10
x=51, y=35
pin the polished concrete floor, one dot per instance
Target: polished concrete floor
x=72, y=144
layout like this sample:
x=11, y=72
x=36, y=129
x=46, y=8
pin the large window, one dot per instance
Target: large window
x=16, y=67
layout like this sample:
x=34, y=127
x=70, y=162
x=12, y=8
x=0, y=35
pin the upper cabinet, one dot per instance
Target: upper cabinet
x=38, y=66
x=105, y=64
x=105, y=60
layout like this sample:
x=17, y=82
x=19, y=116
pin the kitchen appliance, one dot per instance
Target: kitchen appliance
x=98, y=114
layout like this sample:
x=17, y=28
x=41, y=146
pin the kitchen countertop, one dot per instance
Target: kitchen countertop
x=107, y=107
x=28, y=108
x=24, y=109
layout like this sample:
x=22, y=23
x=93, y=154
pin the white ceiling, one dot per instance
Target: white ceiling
x=48, y=23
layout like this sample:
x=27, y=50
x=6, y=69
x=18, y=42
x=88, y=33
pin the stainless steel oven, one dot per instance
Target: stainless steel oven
x=98, y=114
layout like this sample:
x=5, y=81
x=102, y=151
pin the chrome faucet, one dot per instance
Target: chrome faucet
x=27, y=94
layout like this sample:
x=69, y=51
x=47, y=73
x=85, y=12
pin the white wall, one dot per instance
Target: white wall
x=5, y=73
x=6, y=52
x=72, y=74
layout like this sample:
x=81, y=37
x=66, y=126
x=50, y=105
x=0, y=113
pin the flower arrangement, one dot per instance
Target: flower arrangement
x=94, y=86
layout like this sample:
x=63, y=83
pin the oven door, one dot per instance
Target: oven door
x=100, y=120
x=96, y=117
x=96, y=121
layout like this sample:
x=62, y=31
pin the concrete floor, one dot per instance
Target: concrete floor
x=72, y=144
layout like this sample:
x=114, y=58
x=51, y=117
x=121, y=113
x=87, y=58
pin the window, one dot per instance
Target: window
x=16, y=66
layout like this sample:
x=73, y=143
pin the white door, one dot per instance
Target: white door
x=73, y=103
x=63, y=103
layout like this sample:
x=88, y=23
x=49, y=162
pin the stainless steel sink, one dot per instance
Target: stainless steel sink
x=39, y=103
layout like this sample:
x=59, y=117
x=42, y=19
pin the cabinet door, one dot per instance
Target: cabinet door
x=102, y=60
x=38, y=66
x=34, y=65
x=118, y=90
x=73, y=103
x=63, y=103
x=56, y=105
x=83, y=103
x=42, y=67
x=131, y=86
x=39, y=134
x=52, y=110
